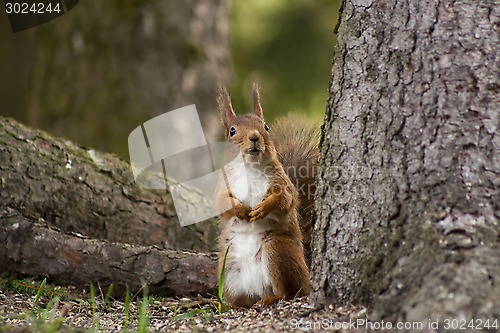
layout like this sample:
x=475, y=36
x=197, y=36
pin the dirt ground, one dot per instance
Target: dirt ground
x=76, y=313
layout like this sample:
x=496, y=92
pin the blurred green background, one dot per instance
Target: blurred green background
x=286, y=46
x=105, y=67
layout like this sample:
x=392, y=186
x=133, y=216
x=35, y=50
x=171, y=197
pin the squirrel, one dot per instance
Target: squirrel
x=265, y=205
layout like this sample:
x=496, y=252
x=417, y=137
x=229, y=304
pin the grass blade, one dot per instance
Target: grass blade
x=92, y=299
x=107, y=297
x=39, y=293
x=93, y=302
x=143, y=325
x=220, y=292
x=126, y=307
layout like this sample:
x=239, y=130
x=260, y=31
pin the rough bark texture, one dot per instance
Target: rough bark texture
x=76, y=215
x=408, y=200
x=87, y=192
x=105, y=67
x=33, y=249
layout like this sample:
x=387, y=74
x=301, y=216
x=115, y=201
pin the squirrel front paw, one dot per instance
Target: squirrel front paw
x=258, y=212
x=242, y=212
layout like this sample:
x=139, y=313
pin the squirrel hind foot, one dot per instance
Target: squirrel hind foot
x=269, y=300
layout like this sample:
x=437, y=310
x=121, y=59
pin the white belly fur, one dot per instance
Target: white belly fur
x=249, y=274
x=247, y=184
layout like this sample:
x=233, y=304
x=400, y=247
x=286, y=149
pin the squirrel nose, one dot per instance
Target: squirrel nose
x=254, y=137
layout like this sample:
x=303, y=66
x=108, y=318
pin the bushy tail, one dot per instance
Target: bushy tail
x=296, y=140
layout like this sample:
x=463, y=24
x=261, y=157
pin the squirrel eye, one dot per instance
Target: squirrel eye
x=266, y=127
x=232, y=131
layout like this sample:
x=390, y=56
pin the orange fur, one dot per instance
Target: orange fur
x=266, y=259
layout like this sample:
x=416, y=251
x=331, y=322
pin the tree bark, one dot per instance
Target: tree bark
x=408, y=200
x=87, y=192
x=76, y=215
x=33, y=249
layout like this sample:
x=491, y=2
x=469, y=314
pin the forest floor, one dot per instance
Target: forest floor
x=66, y=309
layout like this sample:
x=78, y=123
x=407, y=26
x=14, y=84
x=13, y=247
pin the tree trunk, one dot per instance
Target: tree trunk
x=33, y=249
x=76, y=215
x=408, y=200
x=103, y=68
x=87, y=192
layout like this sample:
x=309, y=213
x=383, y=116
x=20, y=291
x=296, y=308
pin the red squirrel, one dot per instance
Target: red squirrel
x=261, y=201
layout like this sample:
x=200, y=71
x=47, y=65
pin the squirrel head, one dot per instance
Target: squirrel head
x=249, y=132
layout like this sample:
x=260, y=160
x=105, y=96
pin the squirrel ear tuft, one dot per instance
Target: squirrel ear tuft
x=225, y=108
x=257, y=109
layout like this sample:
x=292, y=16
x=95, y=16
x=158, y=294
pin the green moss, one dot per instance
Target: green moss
x=9, y=284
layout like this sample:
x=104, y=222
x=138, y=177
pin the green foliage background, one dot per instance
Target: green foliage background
x=286, y=46
x=102, y=69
